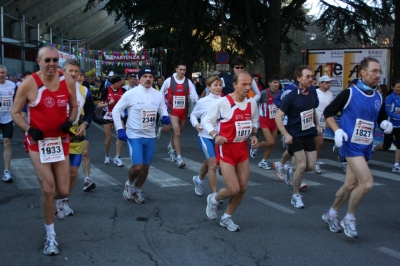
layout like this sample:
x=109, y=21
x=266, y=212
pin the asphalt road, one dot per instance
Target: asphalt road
x=171, y=228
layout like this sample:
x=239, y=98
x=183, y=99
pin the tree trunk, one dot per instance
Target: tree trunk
x=396, y=43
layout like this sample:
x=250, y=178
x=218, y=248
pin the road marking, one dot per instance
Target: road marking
x=195, y=167
x=25, y=176
x=389, y=252
x=158, y=177
x=381, y=174
x=273, y=205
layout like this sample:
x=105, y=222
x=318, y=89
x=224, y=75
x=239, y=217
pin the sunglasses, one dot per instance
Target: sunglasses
x=47, y=60
x=239, y=67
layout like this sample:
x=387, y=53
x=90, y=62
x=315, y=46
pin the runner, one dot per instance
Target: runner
x=359, y=106
x=48, y=92
x=238, y=120
x=7, y=91
x=142, y=103
x=178, y=89
x=206, y=142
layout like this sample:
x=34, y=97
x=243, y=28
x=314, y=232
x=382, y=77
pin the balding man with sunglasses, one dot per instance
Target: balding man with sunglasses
x=47, y=93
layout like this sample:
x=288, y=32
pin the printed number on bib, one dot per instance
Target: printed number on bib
x=148, y=119
x=397, y=110
x=51, y=150
x=363, y=132
x=179, y=102
x=272, y=110
x=5, y=104
x=322, y=121
x=243, y=130
x=307, y=118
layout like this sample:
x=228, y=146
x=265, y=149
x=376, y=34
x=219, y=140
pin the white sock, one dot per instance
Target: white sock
x=172, y=150
x=50, y=229
x=332, y=212
x=296, y=195
x=130, y=183
x=396, y=164
x=349, y=216
x=87, y=178
x=178, y=157
x=213, y=200
x=198, y=180
x=226, y=216
x=263, y=160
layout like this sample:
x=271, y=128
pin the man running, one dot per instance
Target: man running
x=359, y=106
x=7, y=91
x=142, y=103
x=238, y=120
x=178, y=89
x=48, y=92
x=302, y=127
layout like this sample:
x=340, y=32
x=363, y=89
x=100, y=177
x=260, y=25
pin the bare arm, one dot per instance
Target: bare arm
x=281, y=127
x=73, y=103
x=21, y=98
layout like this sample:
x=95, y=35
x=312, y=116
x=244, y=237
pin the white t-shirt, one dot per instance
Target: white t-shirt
x=200, y=110
x=142, y=105
x=325, y=98
x=7, y=91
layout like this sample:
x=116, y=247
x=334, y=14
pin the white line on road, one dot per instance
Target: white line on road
x=389, y=252
x=273, y=205
x=158, y=177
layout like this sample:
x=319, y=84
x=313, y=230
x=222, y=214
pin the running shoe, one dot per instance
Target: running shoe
x=107, y=159
x=198, y=187
x=280, y=171
x=297, y=202
x=50, y=246
x=137, y=195
x=7, y=177
x=117, y=161
x=172, y=156
x=253, y=152
x=284, y=145
x=343, y=166
x=317, y=169
x=349, y=227
x=211, y=209
x=128, y=191
x=219, y=170
x=396, y=169
x=289, y=175
x=220, y=202
x=67, y=210
x=180, y=162
x=303, y=185
x=88, y=185
x=264, y=165
x=229, y=224
x=333, y=222
x=59, y=210
x=159, y=132
x=169, y=147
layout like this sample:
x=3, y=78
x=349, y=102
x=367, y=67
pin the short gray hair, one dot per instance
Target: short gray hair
x=73, y=62
x=3, y=67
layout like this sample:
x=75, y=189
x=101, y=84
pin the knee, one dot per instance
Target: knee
x=73, y=173
x=177, y=134
x=7, y=143
x=212, y=166
x=301, y=166
x=48, y=190
x=137, y=168
x=243, y=189
x=270, y=142
x=367, y=186
x=85, y=154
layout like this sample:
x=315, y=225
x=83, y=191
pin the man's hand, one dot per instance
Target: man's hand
x=340, y=135
x=122, y=135
x=36, y=134
x=66, y=126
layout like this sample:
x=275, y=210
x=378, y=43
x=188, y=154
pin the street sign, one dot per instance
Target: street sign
x=222, y=67
x=222, y=57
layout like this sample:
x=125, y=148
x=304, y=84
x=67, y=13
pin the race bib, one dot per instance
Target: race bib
x=363, y=132
x=108, y=116
x=322, y=121
x=148, y=119
x=51, y=150
x=243, y=130
x=307, y=118
x=5, y=103
x=272, y=109
x=179, y=102
x=397, y=110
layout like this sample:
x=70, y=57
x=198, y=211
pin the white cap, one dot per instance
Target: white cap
x=111, y=74
x=325, y=78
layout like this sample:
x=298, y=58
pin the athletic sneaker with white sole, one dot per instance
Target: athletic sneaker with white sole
x=128, y=191
x=67, y=210
x=118, y=161
x=211, y=209
x=264, y=165
x=280, y=171
x=289, y=175
x=50, y=246
x=59, y=210
x=253, y=152
x=198, y=186
x=229, y=224
x=297, y=202
x=396, y=169
x=172, y=156
x=303, y=185
x=88, y=185
x=7, y=177
x=333, y=222
x=107, y=159
x=179, y=162
x=169, y=147
x=349, y=227
x=137, y=196
x=317, y=169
